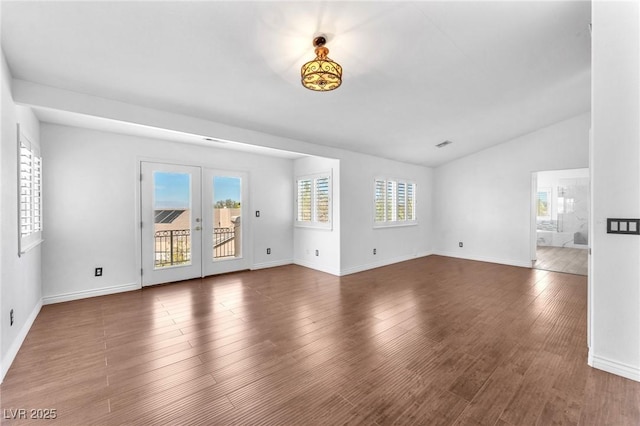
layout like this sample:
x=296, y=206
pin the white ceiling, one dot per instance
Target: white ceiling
x=415, y=73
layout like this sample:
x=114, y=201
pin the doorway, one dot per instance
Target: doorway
x=191, y=219
x=561, y=220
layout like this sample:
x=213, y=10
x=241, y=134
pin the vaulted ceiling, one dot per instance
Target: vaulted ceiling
x=415, y=73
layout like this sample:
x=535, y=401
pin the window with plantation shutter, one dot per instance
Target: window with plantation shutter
x=390, y=203
x=304, y=200
x=322, y=199
x=411, y=214
x=379, y=200
x=401, y=201
x=313, y=200
x=29, y=194
x=394, y=202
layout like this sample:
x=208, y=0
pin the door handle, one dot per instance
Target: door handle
x=198, y=228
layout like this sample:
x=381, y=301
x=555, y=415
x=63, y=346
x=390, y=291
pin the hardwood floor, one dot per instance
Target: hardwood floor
x=432, y=341
x=562, y=259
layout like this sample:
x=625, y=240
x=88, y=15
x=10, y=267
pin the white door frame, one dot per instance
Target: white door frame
x=534, y=214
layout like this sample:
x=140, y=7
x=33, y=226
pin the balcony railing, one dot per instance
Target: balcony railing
x=173, y=247
x=224, y=242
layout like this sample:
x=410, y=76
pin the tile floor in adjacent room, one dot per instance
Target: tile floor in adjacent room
x=562, y=259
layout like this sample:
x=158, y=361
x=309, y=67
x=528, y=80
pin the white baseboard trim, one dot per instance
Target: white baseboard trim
x=83, y=294
x=614, y=367
x=17, y=343
x=264, y=265
x=379, y=264
x=317, y=267
x=510, y=262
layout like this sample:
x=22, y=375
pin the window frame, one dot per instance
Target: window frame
x=392, y=186
x=548, y=195
x=314, y=221
x=29, y=179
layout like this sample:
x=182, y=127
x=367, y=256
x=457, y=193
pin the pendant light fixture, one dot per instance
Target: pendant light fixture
x=321, y=74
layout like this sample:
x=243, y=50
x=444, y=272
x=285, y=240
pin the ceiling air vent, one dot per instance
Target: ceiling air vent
x=443, y=144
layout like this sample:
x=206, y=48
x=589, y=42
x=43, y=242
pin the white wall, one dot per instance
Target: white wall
x=91, y=203
x=615, y=282
x=348, y=248
x=327, y=241
x=358, y=237
x=20, y=277
x=484, y=200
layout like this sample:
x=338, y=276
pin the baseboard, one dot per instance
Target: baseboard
x=264, y=265
x=381, y=263
x=510, y=262
x=47, y=300
x=17, y=343
x=317, y=267
x=614, y=367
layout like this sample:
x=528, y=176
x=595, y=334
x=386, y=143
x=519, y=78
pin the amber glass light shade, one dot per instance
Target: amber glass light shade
x=321, y=74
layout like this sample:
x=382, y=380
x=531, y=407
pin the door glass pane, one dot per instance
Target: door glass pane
x=227, y=196
x=172, y=219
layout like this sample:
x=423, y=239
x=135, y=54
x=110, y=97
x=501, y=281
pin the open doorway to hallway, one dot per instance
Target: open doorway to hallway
x=561, y=204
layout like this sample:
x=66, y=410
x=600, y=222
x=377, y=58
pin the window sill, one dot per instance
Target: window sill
x=394, y=225
x=313, y=226
x=30, y=246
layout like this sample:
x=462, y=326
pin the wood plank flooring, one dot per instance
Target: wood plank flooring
x=432, y=341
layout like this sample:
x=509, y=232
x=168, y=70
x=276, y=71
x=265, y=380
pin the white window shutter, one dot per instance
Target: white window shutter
x=379, y=200
x=322, y=202
x=394, y=202
x=29, y=194
x=304, y=200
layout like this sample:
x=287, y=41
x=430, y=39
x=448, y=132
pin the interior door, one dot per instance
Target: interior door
x=171, y=222
x=225, y=226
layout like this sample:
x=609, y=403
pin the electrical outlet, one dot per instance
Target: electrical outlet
x=268, y=251
x=11, y=317
x=460, y=244
x=98, y=272
x=317, y=252
x=374, y=251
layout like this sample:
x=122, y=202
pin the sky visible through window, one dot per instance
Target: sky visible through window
x=226, y=188
x=172, y=189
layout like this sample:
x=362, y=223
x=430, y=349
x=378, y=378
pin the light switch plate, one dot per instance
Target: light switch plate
x=623, y=226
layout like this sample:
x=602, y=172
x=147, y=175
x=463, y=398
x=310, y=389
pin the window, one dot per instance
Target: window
x=543, y=204
x=29, y=193
x=313, y=200
x=394, y=202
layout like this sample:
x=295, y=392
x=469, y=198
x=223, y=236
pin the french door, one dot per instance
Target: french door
x=191, y=222
x=225, y=204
